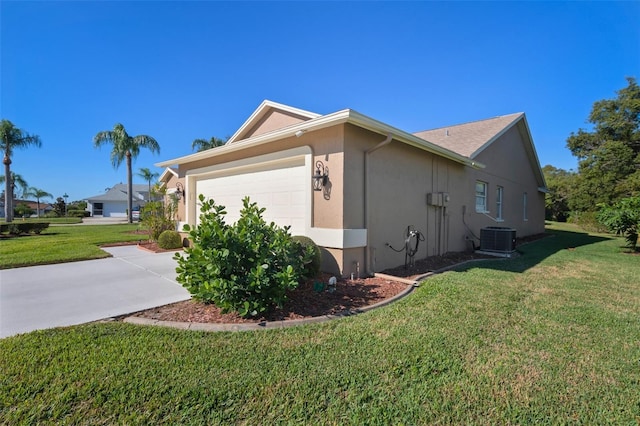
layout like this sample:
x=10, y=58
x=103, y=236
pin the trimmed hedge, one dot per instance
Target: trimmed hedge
x=17, y=228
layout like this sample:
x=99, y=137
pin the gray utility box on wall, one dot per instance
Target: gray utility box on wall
x=498, y=239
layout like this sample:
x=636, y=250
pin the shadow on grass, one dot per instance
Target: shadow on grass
x=533, y=253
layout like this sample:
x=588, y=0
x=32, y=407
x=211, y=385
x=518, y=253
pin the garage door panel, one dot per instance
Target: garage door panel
x=281, y=191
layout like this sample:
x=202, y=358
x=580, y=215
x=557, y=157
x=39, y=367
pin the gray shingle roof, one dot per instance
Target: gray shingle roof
x=119, y=193
x=469, y=138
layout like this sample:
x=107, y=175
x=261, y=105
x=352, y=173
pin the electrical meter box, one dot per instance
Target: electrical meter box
x=438, y=199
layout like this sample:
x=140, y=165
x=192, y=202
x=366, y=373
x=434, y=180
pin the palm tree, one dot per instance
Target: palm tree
x=38, y=193
x=147, y=175
x=203, y=144
x=11, y=138
x=125, y=147
x=18, y=180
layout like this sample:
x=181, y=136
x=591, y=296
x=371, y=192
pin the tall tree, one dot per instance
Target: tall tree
x=11, y=138
x=609, y=154
x=38, y=194
x=147, y=175
x=60, y=206
x=125, y=147
x=203, y=144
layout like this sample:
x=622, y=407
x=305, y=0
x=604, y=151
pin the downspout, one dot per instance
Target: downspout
x=367, y=218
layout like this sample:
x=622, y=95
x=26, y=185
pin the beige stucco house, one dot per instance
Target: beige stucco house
x=447, y=183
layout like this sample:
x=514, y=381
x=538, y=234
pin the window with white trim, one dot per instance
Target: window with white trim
x=481, y=197
x=524, y=207
x=499, y=194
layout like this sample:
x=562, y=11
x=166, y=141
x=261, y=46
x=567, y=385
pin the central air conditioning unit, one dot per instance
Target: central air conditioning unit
x=498, y=239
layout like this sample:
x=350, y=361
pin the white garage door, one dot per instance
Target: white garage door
x=280, y=189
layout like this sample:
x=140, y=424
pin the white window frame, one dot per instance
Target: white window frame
x=499, y=203
x=482, y=208
x=525, y=216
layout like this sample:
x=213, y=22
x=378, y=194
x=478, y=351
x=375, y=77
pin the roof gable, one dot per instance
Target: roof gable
x=167, y=174
x=270, y=116
x=469, y=139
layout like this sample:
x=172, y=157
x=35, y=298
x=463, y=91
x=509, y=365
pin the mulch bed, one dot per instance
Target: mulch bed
x=306, y=302
x=303, y=302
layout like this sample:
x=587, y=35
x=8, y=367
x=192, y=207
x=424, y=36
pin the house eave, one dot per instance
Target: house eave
x=321, y=122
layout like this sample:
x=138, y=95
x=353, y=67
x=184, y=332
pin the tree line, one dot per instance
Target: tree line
x=605, y=190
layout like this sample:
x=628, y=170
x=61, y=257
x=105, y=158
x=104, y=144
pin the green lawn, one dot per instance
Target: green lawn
x=63, y=243
x=551, y=337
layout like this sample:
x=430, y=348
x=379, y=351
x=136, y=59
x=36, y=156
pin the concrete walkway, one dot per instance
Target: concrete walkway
x=40, y=297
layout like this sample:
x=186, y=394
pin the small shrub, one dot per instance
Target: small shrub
x=78, y=213
x=311, y=254
x=169, y=240
x=51, y=213
x=38, y=227
x=247, y=267
x=14, y=229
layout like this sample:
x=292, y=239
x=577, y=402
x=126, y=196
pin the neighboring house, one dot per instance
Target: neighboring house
x=447, y=183
x=33, y=205
x=113, y=203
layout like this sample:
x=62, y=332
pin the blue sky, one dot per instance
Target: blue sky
x=178, y=71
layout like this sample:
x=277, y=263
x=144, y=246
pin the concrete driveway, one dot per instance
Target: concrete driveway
x=47, y=296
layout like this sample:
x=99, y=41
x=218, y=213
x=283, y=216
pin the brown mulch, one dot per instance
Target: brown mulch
x=306, y=302
x=303, y=302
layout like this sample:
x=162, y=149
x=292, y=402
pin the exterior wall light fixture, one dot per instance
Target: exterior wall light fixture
x=179, y=191
x=321, y=176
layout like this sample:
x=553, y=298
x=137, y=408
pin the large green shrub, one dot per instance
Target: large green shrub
x=169, y=240
x=247, y=267
x=623, y=218
x=312, y=255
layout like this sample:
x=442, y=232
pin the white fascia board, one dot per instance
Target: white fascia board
x=321, y=122
x=260, y=111
x=289, y=131
x=529, y=147
x=166, y=174
x=534, y=153
x=496, y=136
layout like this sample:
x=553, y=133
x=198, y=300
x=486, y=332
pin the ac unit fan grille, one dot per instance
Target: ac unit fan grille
x=498, y=239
